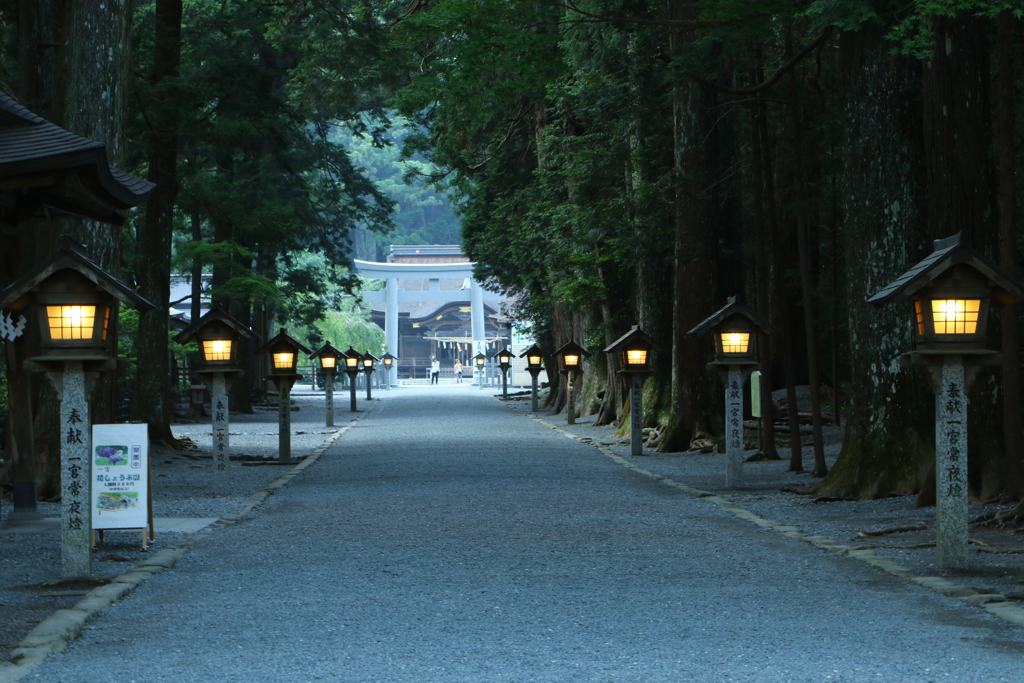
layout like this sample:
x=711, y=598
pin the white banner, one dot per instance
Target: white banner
x=120, y=476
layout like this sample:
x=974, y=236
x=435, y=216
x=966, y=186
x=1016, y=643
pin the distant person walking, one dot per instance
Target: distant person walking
x=435, y=370
x=458, y=371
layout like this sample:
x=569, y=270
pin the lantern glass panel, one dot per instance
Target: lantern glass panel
x=735, y=342
x=387, y=362
x=367, y=362
x=73, y=322
x=636, y=356
x=571, y=360
x=919, y=316
x=533, y=360
x=283, y=360
x=352, y=362
x=217, y=349
x=327, y=362
x=955, y=316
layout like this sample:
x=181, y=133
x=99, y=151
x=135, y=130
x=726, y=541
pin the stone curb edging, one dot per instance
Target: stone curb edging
x=993, y=603
x=55, y=632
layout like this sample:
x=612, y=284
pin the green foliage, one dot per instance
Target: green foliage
x=262, y=87
x=913, y=34
x=349, y=325
x=422, y=214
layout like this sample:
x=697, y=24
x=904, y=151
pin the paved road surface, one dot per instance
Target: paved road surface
x=448, y=537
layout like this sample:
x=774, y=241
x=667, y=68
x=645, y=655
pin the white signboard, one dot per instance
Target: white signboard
x=120, y=476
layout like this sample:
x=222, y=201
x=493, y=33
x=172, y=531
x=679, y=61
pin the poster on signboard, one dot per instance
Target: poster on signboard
x=120, y=476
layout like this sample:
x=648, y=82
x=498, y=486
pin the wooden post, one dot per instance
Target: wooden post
x=734, y=427
x=951, y=465
x=533, y=402
x=329, y=393
x=636, y=417
x=570, y=407
x=221, y=445
x=75, y=485
x=284, y=420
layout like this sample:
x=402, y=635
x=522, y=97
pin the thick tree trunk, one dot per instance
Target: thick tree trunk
x=694, y=281
x=961, y=182
x=73, y=61
x=762, y=270
x=779, y=301
x=806, y=277
x=1013, y=461
x=153, y=400
x=889, y=443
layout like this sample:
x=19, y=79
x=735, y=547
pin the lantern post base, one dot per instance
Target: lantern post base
x=329, y=397
x=218, y=381
x=533, y=390
x=74, y=378
x=733, y=376
x=950, y=376
x=636, y=410
x=284, y=415
x=352, y=390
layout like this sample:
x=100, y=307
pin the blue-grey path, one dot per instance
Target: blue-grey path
x=447, y=537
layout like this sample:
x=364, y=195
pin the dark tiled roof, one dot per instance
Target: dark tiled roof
x=32, y=150
x=730, y=309
x=947, y=253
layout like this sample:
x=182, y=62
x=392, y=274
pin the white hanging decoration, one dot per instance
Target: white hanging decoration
x=11, y=330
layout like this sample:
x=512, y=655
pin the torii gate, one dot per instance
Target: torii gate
x=391, y=273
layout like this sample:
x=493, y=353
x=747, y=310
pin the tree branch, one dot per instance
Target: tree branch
x=782, y=70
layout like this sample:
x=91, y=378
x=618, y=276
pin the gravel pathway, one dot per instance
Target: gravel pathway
x=450, y=537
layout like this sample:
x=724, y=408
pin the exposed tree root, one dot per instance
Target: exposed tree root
x=1002, y=519
x=920, y=526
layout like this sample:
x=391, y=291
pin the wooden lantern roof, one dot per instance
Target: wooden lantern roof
x=19, y=294
x=213, y=316
x=732, y=310
x=328, y=350
x=634, y=336
x=283, y=339
x=533, y=351
x=46, y=170
x=571, y=348
x=947, y=254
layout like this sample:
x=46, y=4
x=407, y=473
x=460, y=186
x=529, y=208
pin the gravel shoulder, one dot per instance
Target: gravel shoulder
x=184, y=488
x=996, y=557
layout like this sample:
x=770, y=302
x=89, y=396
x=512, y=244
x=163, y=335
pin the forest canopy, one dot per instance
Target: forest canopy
x=611, y=163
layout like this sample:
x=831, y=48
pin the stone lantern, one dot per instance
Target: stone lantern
x=570, y=357
x=75, y=304
x=634, y=351
x=735, y=330
x=353, y=365
x=504, y=363
x=283, y=351
x=534, y=364
x=951, y=292
x=218, y=335
x=329, y=357
x=369, y=362
x=388, y=361
x=479, y=365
